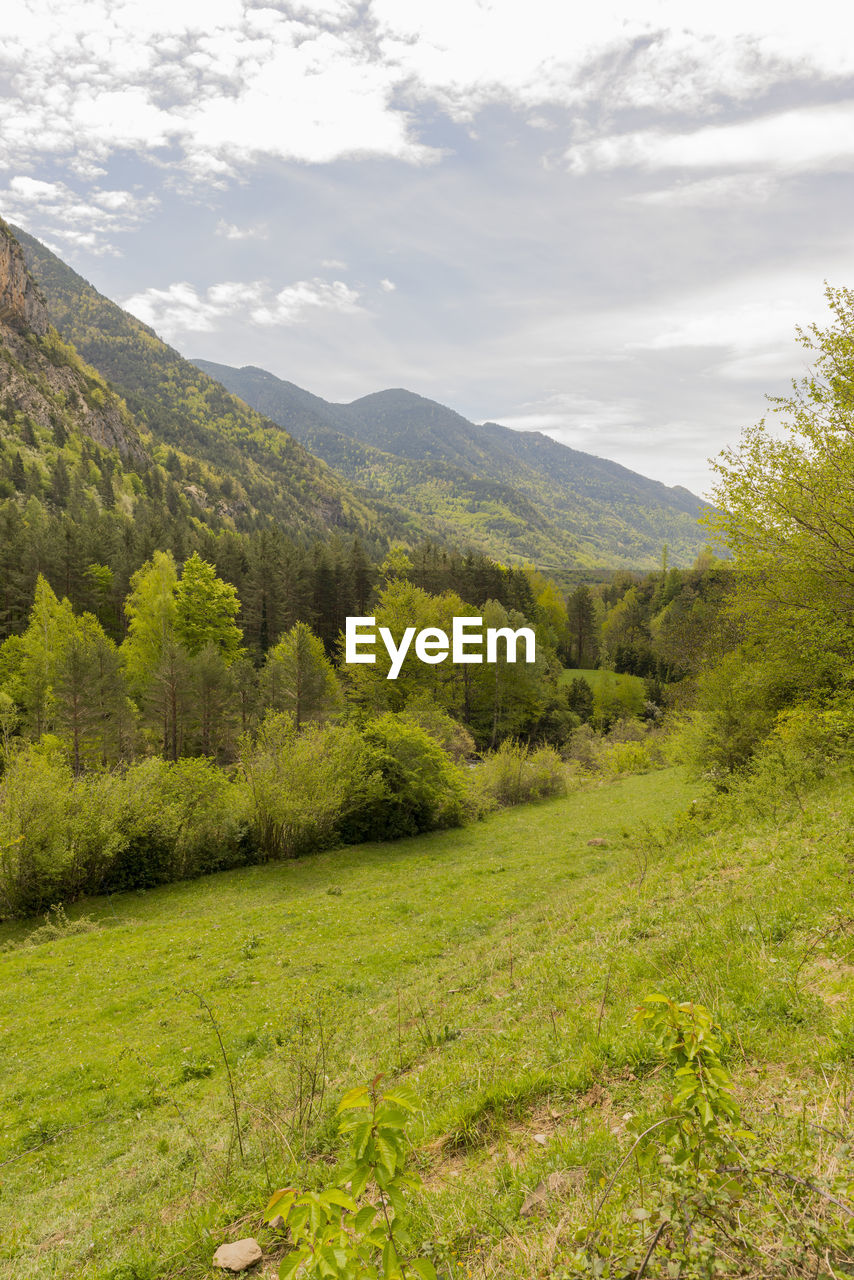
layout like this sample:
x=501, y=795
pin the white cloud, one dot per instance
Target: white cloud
x=81, y=221
x=789, y=141
x=217, y=84
x=721, y=192
x=669, y=55
x=746, y=315
x=181, y=308
x=292, y=303
x=229, y=231
x=387, y=286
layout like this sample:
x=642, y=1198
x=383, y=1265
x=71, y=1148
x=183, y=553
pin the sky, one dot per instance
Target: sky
x=601, y=222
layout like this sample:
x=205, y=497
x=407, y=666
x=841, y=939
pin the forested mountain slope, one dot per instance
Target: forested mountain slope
x=90, y=488
x=516, y=494
x=269, y=474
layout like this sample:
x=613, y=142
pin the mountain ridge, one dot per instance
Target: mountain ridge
x=486, y=476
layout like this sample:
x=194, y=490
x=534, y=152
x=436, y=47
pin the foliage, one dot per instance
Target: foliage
x=708, y=1198
x=451, y=736
x=299, y=678
x=421, y=787
x=61, y=835
x=517, y=773
x=785, y=499
x=336, y=1237
x=304, y=786
x=205, y=609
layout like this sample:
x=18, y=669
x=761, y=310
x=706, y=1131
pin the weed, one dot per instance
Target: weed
x=57, y=925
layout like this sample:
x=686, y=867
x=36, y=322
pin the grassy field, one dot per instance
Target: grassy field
x=599, y=676
x=493, y=967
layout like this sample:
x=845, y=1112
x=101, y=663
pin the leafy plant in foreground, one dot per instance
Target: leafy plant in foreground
x=707, y=1202
x=335, y=1237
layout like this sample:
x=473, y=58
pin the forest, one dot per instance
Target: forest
x=179, y=699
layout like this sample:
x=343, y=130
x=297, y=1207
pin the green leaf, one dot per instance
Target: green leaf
x=423, y=1268
x=402, y=1097
x=334, y=1196
x=364, y=1218
x=289, y=1264
x=354, y=1098
x=280, y=1203
x=395, y=1119
x=397, y=1201
x=391, y=1266
x=387, y=1154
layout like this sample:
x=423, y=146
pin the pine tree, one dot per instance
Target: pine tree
x=60, y=484
x=19, y=475
x=581, y=616
x=299, y=678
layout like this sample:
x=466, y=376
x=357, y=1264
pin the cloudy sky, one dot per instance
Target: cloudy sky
x=557, y=216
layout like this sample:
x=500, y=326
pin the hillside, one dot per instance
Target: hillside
x=99, y=471
x=515, y=494
x=494, y=970
x=270, y=474
x=75, y=472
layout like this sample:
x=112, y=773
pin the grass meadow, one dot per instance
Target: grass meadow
x=604, y=678
x=494, y=968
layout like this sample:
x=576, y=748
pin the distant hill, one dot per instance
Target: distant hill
x=515, y=495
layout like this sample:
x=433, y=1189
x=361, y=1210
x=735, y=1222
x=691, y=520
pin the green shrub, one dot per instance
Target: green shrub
x=738, y=703
x=615, y=699
x=629, y=757
x=36, y=816
x=61, y=836
x=174, y=821
x=453, y=737
x=421, y=789
x=515, y=774
x=303, y=786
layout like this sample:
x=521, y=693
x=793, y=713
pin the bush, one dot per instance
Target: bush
x=421, y=787
x=629, y=757
x=515, y=774
x=61, y=836
x=582, y=750
x=806, y=743
x=615, y=700
x=739, y=701
x=36, y=811
x=303, y=786
x=175, y=821
x=453, y=737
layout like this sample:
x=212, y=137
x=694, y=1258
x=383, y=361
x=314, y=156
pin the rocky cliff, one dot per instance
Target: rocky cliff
x=42, y=378
x=21, y=305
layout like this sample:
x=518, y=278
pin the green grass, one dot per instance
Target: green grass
x=600, y=677
x=494, y=966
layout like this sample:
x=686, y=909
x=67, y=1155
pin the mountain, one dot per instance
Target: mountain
x=96, y=472
x=258, y=470
x=45, y=386
x=513, y=494
x=245, y=449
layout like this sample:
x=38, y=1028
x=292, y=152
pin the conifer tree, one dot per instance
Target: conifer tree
x=299, y=678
